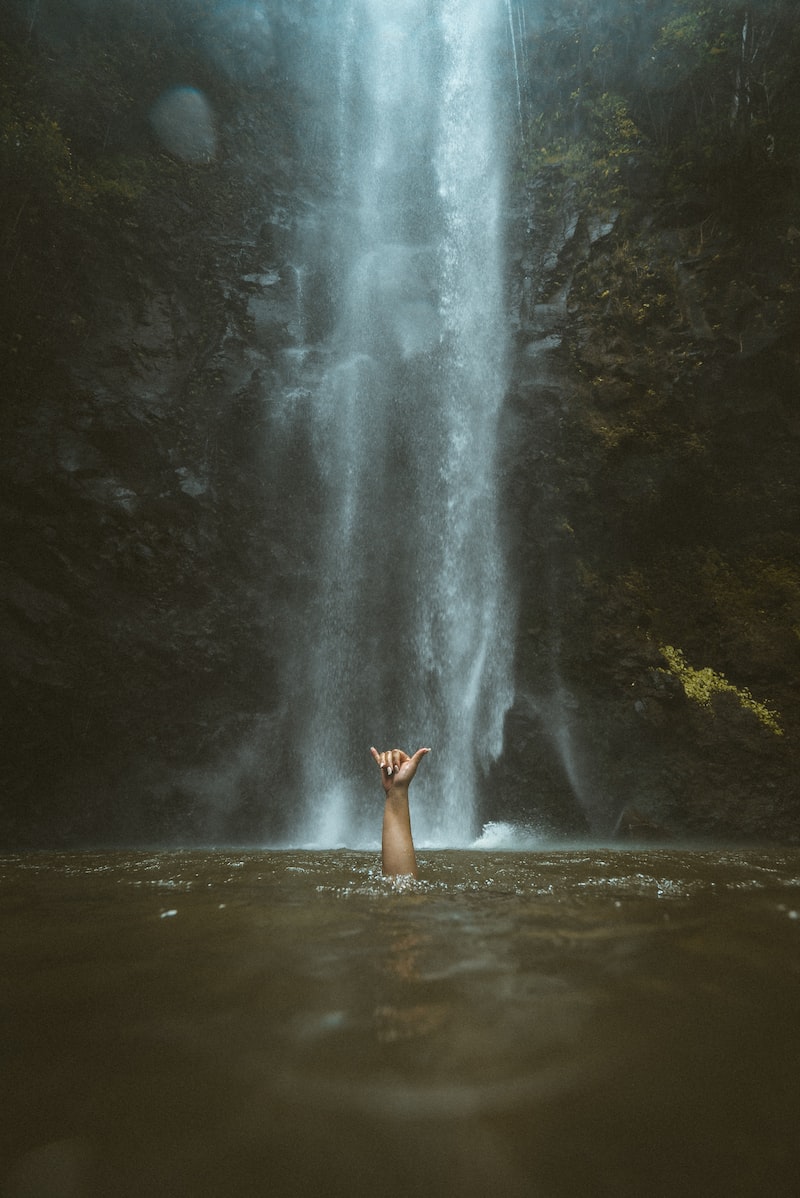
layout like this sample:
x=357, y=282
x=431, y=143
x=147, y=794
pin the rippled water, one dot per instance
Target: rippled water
x=565, y=1023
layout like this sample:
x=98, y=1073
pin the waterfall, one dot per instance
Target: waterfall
x=512, y=32
x=404, y=633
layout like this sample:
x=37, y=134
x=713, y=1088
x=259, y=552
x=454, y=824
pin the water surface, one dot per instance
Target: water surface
x=581, y=1022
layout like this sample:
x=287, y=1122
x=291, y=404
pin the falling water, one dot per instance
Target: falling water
x=512, y=32
x=406, y=637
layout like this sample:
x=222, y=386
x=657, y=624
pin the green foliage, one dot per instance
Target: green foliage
x=702, y=685
x=701, y=95
x=686, y=51
x=43, y=175
x=594, y=162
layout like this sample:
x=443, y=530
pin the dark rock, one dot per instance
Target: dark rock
x=635, y=828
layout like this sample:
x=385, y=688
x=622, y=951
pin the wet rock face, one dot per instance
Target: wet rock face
x=134, y=548
x=139, y=538
x=652, y=423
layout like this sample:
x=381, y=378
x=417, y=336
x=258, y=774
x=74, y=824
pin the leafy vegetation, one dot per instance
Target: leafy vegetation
x=691, y=86
x=702, y=685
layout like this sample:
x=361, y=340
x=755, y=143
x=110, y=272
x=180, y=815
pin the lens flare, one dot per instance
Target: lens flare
x=183, y=121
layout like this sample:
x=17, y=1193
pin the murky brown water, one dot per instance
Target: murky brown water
x=555, y=1024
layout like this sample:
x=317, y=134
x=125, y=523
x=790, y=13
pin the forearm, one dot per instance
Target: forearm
x=398, y=855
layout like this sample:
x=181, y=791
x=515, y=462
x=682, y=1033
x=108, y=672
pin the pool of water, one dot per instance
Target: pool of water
x=551, y=1023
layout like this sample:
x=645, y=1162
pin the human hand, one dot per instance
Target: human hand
x=397, y=767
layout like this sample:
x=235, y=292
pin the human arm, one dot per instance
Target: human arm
x=397, y=845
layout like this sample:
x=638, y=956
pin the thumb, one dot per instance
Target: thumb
x=417, y=757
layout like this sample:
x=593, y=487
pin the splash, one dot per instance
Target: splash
x=504, y=836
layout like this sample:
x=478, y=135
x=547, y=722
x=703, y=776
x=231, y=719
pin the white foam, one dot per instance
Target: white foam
x=504, y=835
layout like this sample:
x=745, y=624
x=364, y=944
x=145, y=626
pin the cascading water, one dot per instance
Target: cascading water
x=406, y=637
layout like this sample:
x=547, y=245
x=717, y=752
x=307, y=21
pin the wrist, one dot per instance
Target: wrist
x=397, y=790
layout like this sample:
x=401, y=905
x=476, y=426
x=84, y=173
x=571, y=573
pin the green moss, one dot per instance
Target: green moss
x=701, y=685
